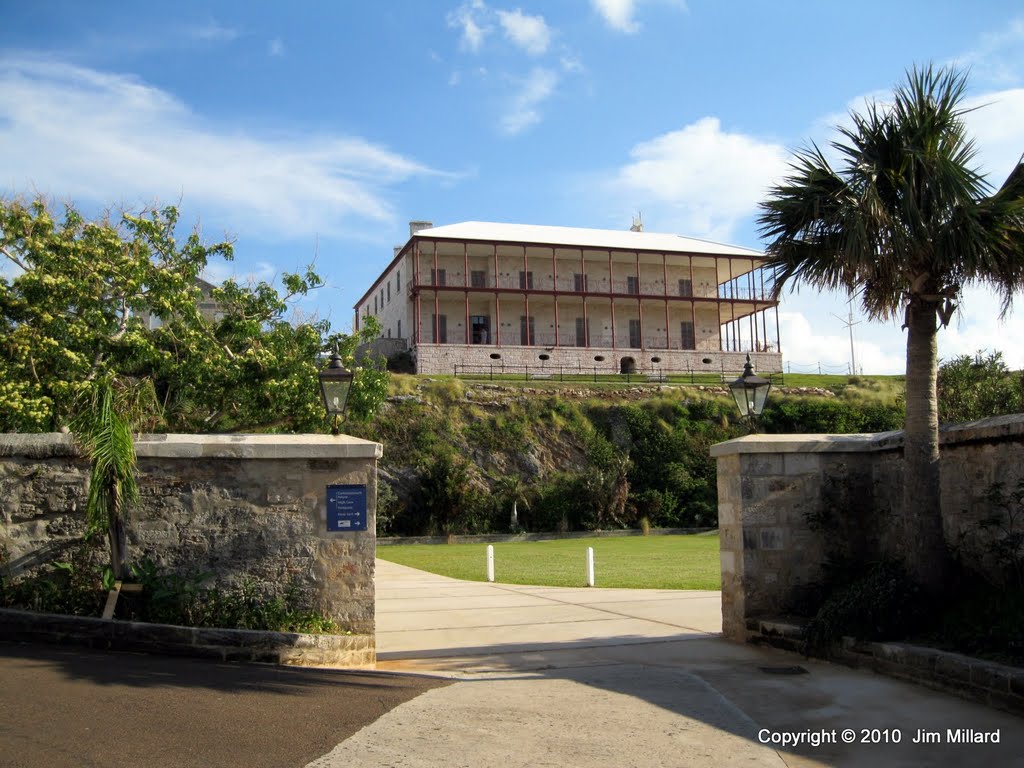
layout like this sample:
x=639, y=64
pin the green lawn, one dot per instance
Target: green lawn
x=637, y=562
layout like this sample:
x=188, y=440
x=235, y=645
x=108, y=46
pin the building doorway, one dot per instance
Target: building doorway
x=480, y=329
x=627, y=365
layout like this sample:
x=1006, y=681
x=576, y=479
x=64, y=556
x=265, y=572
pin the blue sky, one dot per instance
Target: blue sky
x=319, y=130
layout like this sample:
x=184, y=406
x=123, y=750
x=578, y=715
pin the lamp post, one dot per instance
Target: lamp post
x=335, y=383
x=750, y=392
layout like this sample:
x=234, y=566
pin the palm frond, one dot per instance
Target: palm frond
x=904, y=211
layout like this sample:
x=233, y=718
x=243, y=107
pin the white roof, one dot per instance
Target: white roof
x=587, y=238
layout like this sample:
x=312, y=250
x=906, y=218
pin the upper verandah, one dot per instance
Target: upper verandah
x=574, y=237
x=735, y=260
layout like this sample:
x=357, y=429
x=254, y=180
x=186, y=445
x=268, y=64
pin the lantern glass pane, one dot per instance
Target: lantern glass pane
x=760, y=397
x=335, y=395
x=740, y=394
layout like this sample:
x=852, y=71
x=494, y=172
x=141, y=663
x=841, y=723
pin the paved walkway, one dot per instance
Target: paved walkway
x=601, y=677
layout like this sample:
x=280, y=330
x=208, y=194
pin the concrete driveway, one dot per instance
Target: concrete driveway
x=601, y=677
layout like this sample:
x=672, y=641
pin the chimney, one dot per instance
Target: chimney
x=398, y=250
x=638, y=223
x=416, y=226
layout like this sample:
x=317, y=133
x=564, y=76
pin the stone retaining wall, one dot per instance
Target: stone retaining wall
x=987, y=682
x=290, y=648
x=240, y=507
x=777, y=494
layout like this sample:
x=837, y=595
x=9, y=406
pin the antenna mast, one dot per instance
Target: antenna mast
x=849, y=323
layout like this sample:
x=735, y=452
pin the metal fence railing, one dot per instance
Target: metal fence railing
x=608, y=372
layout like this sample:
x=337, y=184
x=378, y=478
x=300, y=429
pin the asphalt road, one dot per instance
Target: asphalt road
x=65, y=706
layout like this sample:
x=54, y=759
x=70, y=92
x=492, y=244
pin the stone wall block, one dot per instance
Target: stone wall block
x=772, y=538
x=801, y=464
x=764, y=512
x=761, y=464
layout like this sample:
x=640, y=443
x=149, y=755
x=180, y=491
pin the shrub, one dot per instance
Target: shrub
x=974, y=388
x=881, y=604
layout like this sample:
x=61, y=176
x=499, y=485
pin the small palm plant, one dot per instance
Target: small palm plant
x=512, y=490
x=104, y=429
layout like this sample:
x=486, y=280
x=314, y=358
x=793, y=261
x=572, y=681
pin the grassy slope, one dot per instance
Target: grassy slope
x=639, y=562
x=871, y=387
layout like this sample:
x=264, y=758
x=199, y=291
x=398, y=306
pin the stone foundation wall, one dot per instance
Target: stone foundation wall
x=241, y=507
x=442, y=359
x=777, y=494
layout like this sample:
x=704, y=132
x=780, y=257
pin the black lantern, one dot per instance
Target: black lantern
x=750, y=392
x=335, y=383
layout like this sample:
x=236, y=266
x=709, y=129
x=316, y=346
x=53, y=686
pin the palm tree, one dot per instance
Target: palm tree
x=512, y=490
x=104, y=427
x=906, y=221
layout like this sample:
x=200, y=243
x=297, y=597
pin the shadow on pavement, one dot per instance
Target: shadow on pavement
x=71, y=706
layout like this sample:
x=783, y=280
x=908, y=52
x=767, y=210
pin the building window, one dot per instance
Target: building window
x=389, y=292
x=440, y=326
x=389, y=333
x=398, y=281
x=525, y=280
x=478, y=278
x=526, y=331
x=687, y=338
x=686, y=287
x=632, y=284
x=579, y=282
x=375, y=304
x=634, y=334
x=437, y=277
x=582, y=331
x=398, y=333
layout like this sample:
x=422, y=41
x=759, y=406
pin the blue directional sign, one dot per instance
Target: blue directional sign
x=346, y=507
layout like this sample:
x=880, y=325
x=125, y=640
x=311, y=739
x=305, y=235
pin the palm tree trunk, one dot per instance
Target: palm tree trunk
x=118, y=548
x=926, y=554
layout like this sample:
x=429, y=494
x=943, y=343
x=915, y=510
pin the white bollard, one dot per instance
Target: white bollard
x=490, y=562
x=590, y=566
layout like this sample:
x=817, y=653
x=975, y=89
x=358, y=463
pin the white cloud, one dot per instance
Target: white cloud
x=101, y=137
x=469, y=18
x=212, y=31
x=700, y=180
x=538, y=86
x=978, y=326
x=618, y=14
x=261, y=271
x=530, y=33
x=571, y=63
x=275, y=47
x=996, y=58
x=997, y=125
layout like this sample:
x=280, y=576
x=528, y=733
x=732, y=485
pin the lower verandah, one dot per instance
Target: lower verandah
x=572, y=321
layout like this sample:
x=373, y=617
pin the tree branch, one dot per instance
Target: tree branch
x=13, y=258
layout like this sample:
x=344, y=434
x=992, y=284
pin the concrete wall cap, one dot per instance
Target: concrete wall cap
x=205, y=446
x=982, y=430
x=257, y=447
x=799, y=444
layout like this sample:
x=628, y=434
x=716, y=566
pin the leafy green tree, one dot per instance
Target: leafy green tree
x=72, y=306
x=450, y=496
x=906, y=221
x=976, y=387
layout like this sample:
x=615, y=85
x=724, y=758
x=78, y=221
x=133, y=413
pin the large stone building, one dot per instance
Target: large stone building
x=478, y=295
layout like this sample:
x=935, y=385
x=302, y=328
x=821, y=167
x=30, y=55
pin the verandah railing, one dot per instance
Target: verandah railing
x=606, y=372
